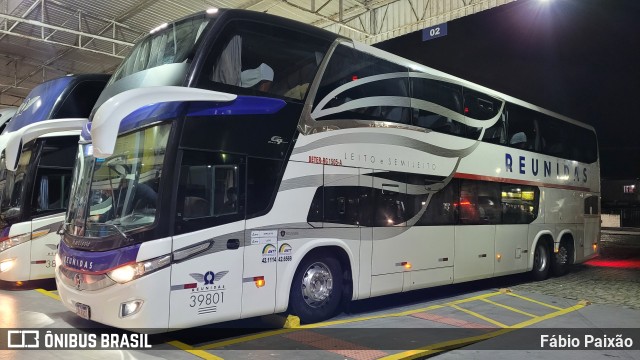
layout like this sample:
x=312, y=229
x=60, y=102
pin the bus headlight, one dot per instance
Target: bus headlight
x=130, y=308
x=14, y=240
x=126, y=273
x=6, y=265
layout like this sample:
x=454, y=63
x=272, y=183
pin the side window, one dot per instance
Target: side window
x=359, y=86
x=442, y=206
x=497, y=134
x=263, y=176
x=522, y=128
x=479, y=203
x=211, y=190
x=336, y=205
x=437, y=105
x=53, y=176
x=80, y=101
x=480, y=106
x=51, y=190
x=258, y=59
x=592, y=205
x=519, y=203
x=555, y=139
x=389, y=205
x=587, y=145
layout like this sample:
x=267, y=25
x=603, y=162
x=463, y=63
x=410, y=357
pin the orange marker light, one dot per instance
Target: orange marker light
x=499, y=257
x=259, y=281
x=406, y=265
x=595, y=247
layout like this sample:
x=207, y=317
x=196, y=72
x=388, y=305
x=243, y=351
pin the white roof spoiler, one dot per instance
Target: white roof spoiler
x=106, y=121
x=15, y=139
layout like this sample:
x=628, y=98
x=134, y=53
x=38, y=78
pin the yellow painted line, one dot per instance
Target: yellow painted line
x=509, y=308
x=199, y=353
x=48, y=293
x=340, y=322
x=458, y=343
x=445, y=345
x=534, y=301
x=546, y=317
x=245, y=339
x=479, y=316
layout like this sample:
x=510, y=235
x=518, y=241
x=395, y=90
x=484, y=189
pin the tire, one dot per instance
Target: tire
x=316, y=290
x=563, y=259
x=541, y=262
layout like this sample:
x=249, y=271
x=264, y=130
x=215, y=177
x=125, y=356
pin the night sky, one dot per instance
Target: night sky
x=579, y=58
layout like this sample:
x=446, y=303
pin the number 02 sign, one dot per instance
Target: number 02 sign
x=434, y=32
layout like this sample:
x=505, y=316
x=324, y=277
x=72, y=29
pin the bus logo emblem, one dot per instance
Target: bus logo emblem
x=209, y=277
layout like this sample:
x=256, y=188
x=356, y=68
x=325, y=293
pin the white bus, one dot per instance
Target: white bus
x=5, y=115
x=37, y=153
x=254, y=165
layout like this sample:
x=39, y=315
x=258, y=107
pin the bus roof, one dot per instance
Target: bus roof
x=44, y=101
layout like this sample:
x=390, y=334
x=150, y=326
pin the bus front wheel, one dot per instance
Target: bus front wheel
x=316, y=289
x=541, y=262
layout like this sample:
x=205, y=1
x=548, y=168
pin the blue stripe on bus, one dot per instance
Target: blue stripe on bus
x=242, y=105
x=99, y=261
x=85, y=134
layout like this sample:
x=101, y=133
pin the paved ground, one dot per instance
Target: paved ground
x=613, y=278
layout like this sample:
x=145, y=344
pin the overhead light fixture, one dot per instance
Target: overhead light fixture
x=212, y=10
x=163, y=26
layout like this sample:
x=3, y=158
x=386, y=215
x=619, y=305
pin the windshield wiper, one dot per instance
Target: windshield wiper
x=115, y=226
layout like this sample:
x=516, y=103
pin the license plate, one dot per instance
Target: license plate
x=84, y=311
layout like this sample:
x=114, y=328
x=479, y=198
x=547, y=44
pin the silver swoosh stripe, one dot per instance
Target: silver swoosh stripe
x=386, y=139
x=301, y=182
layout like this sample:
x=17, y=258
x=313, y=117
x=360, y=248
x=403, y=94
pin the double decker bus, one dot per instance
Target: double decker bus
x=37, y=156
x=240, y=164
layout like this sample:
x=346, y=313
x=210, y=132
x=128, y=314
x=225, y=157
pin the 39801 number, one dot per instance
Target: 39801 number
x=206, y=299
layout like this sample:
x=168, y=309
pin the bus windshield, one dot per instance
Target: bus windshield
x=171, y=44
x=12, y=184
x=119, y=193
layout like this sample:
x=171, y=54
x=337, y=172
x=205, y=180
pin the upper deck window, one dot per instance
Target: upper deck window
x=259, y=59
x=170, y=45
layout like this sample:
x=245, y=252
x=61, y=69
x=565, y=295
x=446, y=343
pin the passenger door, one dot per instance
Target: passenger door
x=206, y=277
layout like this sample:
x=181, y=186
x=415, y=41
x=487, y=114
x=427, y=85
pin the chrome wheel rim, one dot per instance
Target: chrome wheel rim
x=317, y=284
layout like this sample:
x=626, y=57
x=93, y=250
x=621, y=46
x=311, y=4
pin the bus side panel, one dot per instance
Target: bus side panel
x=207, y=287
x=563, y=206
x=511, y=246
x=44, y=248
x=363, y=281
x=475, y=251
x=260, y=261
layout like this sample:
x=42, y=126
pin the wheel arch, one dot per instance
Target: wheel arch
x=343, y=254
x=547, y=237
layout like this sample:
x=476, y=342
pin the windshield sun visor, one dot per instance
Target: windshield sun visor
x=15, y=139
x=107, y=120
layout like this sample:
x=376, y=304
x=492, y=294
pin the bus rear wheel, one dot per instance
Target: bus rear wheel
x=317, y=288
x=563, y=258
x=541, y=262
